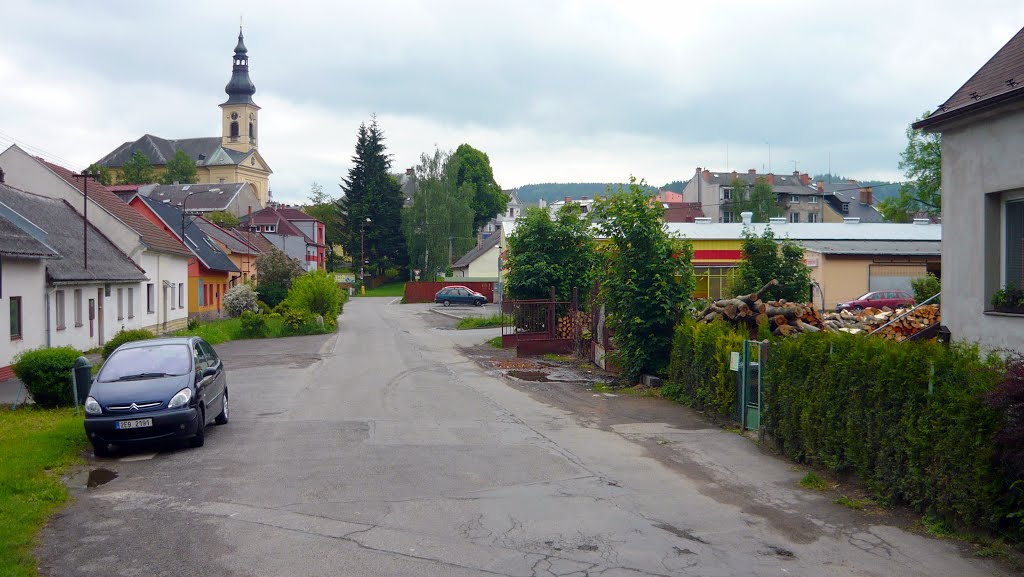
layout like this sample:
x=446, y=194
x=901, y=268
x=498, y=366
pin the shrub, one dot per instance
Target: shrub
x=925, y=287
x=317, y=293
x=295, y=319
x=123, y=337
x=699, y=373
x=253, y=325
x=239, y=299
x=264, y=308
x=47, y=374
x=273, y=293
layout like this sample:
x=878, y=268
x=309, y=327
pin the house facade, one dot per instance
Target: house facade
x=210, y=272
x=291, y=231
x=162, y=257
x=982, y=128
x=237, y=198
x=232, y=157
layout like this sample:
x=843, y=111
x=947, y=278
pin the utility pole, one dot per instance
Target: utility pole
x=85, y=176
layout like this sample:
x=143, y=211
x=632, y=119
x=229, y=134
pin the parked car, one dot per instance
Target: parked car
x=878, y=299
x=459, y=295
x=156, y=389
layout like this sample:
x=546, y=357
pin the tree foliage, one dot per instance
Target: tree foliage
x=102, y=173
x=921, y=163
x=648, y=279
x=764, y=259
x=759, y=199
x=439, y=224
x=276, y=267
x=222, y=218
x=474, y=168
x=324, y=208
x=371, y=192
x=137, y=170
x=180, y=169
x=240, y=298
x=925, y=287
x=544, y=253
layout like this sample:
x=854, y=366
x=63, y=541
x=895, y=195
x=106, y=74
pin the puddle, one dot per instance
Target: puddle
x=535, y=376
x=99, y=477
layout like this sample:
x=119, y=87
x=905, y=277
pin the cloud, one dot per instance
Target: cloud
x=552, y=91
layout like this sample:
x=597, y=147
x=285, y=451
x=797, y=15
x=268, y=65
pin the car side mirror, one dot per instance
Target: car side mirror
x=209, y=372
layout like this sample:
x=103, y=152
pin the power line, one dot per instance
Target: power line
x=37, y=151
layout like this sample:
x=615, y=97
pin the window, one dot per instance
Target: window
x=181, y=295
x=726, y=193
x=120, y=304
x=220, y=181
x=234, y=130
x=59, y=302
x=200, y=293
x=78, y=307
x=794, y=217
x=794, y=199
x=15, y=318
x=172, y=299
x=199, y=357
x=846, y=208
x=150, y=298
x=131, y=303
x=812, y=217
x=726, y=216
x=812, y=199
x=1013, y=268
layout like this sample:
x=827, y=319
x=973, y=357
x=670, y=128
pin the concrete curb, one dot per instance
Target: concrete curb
x=444, y=314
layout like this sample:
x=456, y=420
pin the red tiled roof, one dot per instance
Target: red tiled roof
x=154, y=238
x=682, y=211
x=294, y=214
x=272, y=215
x=115, y=188
x=1001, y=78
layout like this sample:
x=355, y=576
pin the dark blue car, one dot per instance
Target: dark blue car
x=459, y=295
x=156, y=389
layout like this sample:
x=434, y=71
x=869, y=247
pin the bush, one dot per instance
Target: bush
x=264, y=307
x=925, y=287
x=317, y=293
x=699, y=373
x=272, y=293
x=123, y=337
x=254, y=325
x=239, y=299
x=47, y=374
x=912, y=421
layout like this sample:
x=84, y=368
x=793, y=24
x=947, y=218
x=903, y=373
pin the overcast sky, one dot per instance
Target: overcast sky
x=574, y=91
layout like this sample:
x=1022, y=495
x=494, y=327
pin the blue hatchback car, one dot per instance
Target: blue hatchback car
x=459, y=295
x=156, y=389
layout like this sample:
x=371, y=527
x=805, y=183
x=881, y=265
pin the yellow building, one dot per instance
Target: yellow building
x=232, y=157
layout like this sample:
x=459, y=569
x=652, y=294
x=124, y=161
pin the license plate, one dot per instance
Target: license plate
x=134, y=424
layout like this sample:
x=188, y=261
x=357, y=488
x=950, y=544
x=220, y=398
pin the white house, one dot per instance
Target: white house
x=982, y=128
x=158, y=303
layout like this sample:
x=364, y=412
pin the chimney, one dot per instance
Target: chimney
x=747, y=217
x=821, y=186
x=851, y=181
x=866, y=195
x=409, y=172
x=771, y=179
x=734, y=175
x=707, y=175
x=568, y=199
x=796, y=173
x=751, y=171
x=805, y=179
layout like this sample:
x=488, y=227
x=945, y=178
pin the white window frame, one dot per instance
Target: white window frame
x=794, y=217
x=727, y=216
x=131, y=302
x=172, y=299
x=812, y=199
x=812, y=217
x=58, y=305
x=181, y=295
x=150, y=298
x=726, y=193
x=120, y=304
x=794, y=199
x=78, y=307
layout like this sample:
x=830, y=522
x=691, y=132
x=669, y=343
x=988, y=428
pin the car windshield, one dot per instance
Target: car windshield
x=864, y=296
x=146, y=363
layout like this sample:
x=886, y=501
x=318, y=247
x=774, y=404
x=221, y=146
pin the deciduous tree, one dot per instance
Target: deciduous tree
x=137, y=170
x=921, y=163
x=222, y=218
x=324, y=208
x=759, y=199
x=544, y=253
x=474, y=168
x=764, y=259
x=102, y=174
x=180, y=169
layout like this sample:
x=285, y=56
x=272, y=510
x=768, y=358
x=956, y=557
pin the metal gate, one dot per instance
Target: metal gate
x=748, y=382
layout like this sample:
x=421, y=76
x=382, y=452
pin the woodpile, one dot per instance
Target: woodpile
x=871, y=319
x=570, y=325
x=783, y=317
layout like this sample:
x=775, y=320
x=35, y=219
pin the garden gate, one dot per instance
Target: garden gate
x=750, y=371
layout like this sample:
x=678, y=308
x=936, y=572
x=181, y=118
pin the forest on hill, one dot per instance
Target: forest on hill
x=551, y=191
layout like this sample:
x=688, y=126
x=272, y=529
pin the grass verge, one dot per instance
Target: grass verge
x=38, y=445
x=223, y=330
x=495, y=342
x=480, y=322
x=814, y=481
x=391, y=289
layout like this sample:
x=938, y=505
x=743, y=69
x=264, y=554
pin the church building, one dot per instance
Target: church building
x=232, y=157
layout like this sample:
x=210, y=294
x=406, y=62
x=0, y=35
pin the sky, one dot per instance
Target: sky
x=552, y=91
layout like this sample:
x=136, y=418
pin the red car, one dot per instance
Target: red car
x=878, y=299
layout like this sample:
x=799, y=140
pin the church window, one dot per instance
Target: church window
x=252, y=131
x=234, y=130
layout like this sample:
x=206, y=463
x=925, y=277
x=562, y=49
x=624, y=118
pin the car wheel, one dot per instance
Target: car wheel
x=222, y=418
x=100, y=449
x=858, y=309
x=200, y=439
x=478, y=303
x=447, y=303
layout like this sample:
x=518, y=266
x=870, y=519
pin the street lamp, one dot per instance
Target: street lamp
x=184, y=216
x=362, y=255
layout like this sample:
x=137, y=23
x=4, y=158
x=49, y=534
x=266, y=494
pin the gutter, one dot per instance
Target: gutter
x=928, y=124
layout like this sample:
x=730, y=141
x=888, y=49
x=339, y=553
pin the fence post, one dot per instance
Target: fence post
x=551, y=315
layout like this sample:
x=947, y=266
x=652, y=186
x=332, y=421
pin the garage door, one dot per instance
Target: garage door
x=894, y=276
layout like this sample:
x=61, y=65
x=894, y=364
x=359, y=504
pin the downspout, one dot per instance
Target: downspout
x=46, y=303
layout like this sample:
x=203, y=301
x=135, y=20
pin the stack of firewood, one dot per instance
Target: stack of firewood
x=570, y=325
x=784, y=318
x=870, y=319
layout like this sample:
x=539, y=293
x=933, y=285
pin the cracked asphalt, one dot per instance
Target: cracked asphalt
x=388, y=449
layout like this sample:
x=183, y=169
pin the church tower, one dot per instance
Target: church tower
x=240, y=116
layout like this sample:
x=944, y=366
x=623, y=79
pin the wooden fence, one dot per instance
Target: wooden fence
x=423, y=292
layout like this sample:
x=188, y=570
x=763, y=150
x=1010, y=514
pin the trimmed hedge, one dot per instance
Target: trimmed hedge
x=911, y=420
x=47, y=375
x=123, y=337
x=698, y=372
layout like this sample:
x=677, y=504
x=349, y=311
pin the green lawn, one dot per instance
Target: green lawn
x=480, y=322
x=393, y=289
x=37, y=446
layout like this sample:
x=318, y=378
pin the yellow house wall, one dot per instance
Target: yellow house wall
x=209, y=280
x=830, y=215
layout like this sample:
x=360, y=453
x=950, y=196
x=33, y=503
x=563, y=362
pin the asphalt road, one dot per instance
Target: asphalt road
x=387, y=450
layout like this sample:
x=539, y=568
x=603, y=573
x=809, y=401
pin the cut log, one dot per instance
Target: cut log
x=806, y=327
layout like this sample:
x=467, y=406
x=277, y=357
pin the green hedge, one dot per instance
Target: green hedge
x=47, y=374
x=123, y=337
x=911, y=420
x=698, y=373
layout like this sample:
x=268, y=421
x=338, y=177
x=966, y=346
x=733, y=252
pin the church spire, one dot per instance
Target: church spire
x=240, y=88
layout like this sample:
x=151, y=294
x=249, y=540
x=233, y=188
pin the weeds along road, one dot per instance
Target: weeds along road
x=387, y=450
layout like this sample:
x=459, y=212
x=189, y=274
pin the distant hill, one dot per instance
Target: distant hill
x=552, y=191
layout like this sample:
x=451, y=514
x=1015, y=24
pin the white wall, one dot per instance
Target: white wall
x=26, y=279
x=161, y=268
x=979, y=159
